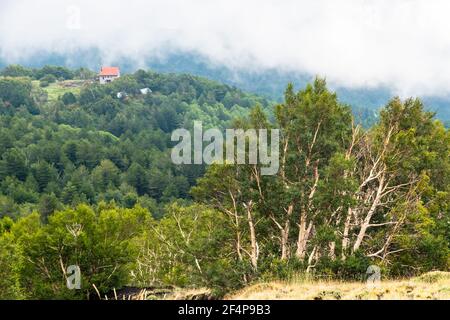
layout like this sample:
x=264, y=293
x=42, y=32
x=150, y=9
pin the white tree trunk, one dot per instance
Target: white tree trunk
x=254, y=252
x=366, y=222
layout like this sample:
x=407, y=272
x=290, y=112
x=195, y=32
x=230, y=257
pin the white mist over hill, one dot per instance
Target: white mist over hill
x=402, y=44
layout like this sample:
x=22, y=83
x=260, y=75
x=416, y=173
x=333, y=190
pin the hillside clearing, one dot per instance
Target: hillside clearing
x=57, y=89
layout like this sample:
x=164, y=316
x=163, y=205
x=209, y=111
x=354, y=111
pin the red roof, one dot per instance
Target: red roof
x=109, y=71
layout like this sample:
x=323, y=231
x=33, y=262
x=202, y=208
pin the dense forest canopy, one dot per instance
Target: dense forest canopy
x=86, y=179
x=91, y=146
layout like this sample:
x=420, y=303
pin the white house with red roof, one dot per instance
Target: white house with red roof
x=108, y=74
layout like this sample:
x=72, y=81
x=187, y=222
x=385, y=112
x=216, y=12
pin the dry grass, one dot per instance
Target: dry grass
x=135, y=293
x=433, y=285
x=429, y=286
x=190, y=294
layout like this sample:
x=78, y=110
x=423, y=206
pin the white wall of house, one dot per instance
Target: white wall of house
x=106, y=79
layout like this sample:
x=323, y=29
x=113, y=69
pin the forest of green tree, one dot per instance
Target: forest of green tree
x=87, y=180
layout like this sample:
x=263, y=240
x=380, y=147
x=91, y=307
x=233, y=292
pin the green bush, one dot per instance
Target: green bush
x=48, y=78
x=353, y=267
x=68, y=98
x=101, y=243
x=44, y=84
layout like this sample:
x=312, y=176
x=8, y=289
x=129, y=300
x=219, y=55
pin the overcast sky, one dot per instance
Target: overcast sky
x=404, y=44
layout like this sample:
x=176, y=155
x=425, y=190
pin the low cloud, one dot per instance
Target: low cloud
x=403, y=44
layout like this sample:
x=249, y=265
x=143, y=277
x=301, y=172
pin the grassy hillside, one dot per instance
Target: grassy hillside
x=432, y=285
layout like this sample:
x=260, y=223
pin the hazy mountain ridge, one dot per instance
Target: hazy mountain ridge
x=269, y=83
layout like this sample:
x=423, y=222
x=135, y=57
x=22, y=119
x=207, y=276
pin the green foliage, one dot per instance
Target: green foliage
x=85, y=148
x=16, y=92
x=68, y=98
x=101, y=243
x=48, y=204
x=353, y=268
x=200, y=239
x=47, y=79
x=10, y=263
x=331, y=191
x=56, y=72
x=77, y=172
x=16, y=71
